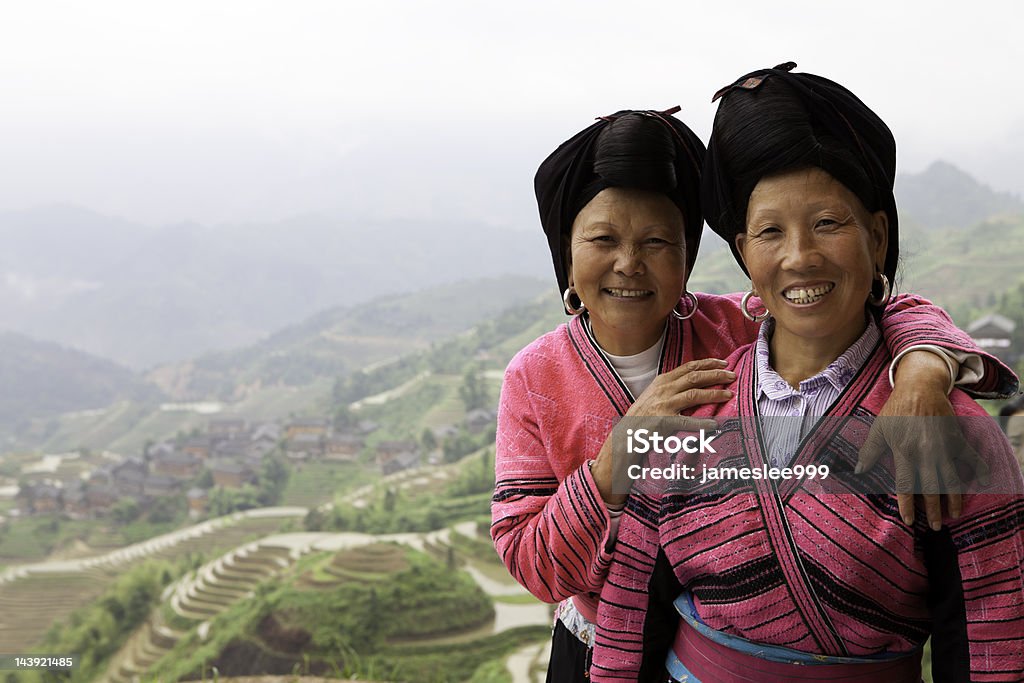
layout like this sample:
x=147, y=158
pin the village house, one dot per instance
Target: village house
x=402, y=461
x=100, y=497
x=160, y=449
x=392, y=448
x=225, y=427
x=39, y=498
x=304, y=446
x=994, y=333
x=480, y=419
x=198, y=500
x=342, y=447
x=75, y=502
x=177, y=464
x=157, y=485
x=394, y=456
x=445, y=431
x=129, y=476
x=365, y=427
x=255, y=450
x=306, y=425
x=198, y=446
x=231, y=475
x=264, y=439
x=231, y=449
x=269, y=431
x=101, y=476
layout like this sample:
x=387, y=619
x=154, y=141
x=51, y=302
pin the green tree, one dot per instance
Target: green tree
x=225, y=501
x=428, y=440
x=273, y=479
x=390, y=499
x=458, y=445
x=473, y=391
x=125, y=511
x=451, y=563
x=315, y=520
x=205, y=479
x=166, y=509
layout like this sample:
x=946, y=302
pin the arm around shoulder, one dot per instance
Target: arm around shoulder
x=910, y=320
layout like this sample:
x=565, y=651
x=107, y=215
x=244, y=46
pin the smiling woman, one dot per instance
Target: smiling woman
x=788, y=580
x=627, y=265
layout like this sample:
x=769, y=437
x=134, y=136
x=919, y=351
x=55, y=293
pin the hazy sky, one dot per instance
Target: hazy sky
x=236, y=111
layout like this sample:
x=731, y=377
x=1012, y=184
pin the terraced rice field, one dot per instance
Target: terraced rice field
x=29, y=605
x=197, y=598
x=32, y=597
x=365, y=564
x=317, y=483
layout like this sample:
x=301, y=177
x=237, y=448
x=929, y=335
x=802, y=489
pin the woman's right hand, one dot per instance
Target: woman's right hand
x=683, y=388
x=671, y=393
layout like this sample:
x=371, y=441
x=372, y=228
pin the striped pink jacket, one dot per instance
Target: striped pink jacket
x=826, y=571
x=559, y=402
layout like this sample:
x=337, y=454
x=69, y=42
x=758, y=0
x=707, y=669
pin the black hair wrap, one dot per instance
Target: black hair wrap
x=772, y=121
x=637, y=149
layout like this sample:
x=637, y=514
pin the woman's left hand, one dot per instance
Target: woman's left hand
x=927, y=450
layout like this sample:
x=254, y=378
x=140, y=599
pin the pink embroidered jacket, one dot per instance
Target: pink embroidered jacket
x=821, y=568
x=559, y=402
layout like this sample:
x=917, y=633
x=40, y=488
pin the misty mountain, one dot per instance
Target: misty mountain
x=943, y=196
x=40, y=380
x=966, y=270
x=145, y=296
x=342, y=340
x=43, y=379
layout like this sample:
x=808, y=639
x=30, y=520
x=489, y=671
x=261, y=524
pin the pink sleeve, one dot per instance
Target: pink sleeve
x=625, y=599
x=990, y=552
x=911, y=320
x=551, y=535
x=989, y=542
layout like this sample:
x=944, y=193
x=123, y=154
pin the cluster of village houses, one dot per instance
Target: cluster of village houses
x=231, y=449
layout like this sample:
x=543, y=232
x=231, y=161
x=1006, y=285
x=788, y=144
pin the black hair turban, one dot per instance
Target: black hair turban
x=843, y=137
x=627, y=156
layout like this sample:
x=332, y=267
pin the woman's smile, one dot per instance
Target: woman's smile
x=807, y=294
x=628, y=294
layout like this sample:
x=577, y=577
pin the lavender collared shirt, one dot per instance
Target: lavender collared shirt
x=788, y=414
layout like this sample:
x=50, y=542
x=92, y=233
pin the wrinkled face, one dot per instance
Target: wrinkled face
x=628, y=265
x=812, y=251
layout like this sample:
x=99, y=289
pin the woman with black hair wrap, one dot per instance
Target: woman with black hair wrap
x=774, y=579
x=619, y=203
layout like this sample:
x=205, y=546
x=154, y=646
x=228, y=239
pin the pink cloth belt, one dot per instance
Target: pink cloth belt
x=711, y=662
